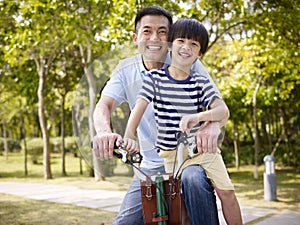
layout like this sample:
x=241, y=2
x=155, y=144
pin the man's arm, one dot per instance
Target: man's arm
x=104, y=141
x=207, y=136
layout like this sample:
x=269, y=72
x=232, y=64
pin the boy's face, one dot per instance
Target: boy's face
x=151, y=37
x=185, y=51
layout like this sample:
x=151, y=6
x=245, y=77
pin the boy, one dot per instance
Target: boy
x=151, y=30
x=179, y=99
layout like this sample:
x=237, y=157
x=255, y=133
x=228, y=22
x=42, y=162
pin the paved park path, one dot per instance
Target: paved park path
x=111, y=201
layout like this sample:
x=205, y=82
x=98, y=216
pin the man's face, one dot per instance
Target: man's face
x=151, y=37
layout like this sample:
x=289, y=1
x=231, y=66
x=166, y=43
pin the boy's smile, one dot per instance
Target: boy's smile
x=184, y=53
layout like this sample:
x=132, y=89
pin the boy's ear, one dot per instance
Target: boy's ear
x=200, y=55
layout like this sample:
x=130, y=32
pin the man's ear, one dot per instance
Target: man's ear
x=134, y=38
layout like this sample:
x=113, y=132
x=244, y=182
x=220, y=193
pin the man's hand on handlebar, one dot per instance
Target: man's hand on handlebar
x=207, y=137
x=103, y=145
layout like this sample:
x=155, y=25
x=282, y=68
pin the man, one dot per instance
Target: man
x=151, y=34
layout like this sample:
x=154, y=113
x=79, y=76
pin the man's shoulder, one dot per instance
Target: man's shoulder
x=130, y=61
x=200, y=77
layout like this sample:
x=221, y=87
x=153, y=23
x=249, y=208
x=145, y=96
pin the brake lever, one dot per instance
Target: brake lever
x=122, y=154
x=182, y=138
x=134, y=157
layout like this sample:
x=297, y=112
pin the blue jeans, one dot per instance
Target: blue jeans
x=198, y=195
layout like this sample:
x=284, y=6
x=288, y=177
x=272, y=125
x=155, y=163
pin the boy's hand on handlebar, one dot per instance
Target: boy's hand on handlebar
x=103, y=145
x=130, y=144
x=187, y=122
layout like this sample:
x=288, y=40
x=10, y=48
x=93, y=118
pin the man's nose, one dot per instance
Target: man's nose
x=154, y=36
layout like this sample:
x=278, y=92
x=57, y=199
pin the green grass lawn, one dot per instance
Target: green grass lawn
x=250, y=192
x=17, y=210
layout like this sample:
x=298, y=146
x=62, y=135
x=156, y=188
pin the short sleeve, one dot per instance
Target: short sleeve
x=148, y=89
x=199, y=68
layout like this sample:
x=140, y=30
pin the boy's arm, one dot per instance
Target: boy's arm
x=218, y=112
x=207, y=136
x=135, y=117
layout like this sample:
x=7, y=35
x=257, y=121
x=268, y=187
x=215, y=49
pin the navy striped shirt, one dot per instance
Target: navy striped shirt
x=173, y=99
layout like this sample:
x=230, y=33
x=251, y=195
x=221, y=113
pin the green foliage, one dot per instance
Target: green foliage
x=251, y=43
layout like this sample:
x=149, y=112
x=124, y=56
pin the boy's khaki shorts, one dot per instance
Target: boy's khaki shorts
x=212, y=163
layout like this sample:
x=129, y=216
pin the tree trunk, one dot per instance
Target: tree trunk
x=98, y=167
x=285, y=135
x=236, y=146
x=255, y=125
x=5, y=139
x=86, y=61
x=42, y=120
x=23, y=137
x=63, y=150
x=266, y=132
x=78, y=139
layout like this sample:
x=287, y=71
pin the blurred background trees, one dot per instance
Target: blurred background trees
x=57, y=55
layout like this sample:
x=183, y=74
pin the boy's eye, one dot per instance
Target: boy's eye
x=196, y=44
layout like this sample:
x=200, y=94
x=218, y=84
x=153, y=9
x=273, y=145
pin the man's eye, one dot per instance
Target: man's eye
x=163, y=32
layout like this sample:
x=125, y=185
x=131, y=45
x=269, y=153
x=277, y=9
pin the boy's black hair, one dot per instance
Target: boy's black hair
x=190, y=29
x=154, y=11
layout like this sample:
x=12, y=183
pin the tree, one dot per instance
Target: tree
x=38, y=40
x=89, y=21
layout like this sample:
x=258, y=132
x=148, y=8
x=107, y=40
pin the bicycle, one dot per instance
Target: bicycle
x=162, y=201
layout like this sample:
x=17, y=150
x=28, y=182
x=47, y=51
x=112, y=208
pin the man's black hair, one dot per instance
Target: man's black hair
x=154, y=11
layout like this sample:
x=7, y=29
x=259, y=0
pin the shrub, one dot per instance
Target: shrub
x=70, y=145
x=12, y=144
x=35, y=148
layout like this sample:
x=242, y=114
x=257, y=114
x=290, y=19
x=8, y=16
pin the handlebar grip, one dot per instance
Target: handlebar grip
x=134, y=157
